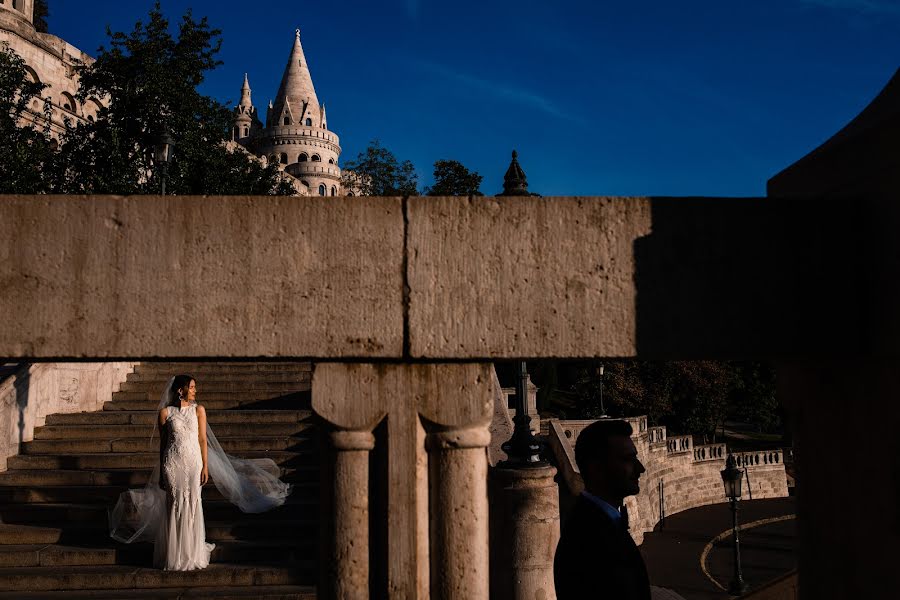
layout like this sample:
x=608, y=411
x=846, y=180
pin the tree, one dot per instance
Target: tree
x=377, y=172
x=149, y=80
x=41, y=12
x=27, y=149
x=451, y=178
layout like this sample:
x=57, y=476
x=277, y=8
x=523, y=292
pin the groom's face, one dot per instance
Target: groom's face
x=620, y=470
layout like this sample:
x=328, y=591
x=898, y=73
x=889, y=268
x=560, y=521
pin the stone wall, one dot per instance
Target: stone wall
x=690, y=475
x=38, y=390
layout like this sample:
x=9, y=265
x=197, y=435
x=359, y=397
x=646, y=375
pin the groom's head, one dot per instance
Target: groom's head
x=608, y=460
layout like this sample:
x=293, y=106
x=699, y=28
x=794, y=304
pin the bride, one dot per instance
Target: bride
x=169, y=511
x=183, y=469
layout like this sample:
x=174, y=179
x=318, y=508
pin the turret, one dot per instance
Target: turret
x=296, y=102
x=514, y=182
x=23, y=9
x=245, y=118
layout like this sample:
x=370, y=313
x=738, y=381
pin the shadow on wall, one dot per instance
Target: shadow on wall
x=745, y=278
x=22, y=384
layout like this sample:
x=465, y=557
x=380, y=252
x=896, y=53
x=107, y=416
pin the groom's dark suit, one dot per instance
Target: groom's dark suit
x=596, y=559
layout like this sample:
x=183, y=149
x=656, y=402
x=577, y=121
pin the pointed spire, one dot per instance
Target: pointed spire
x=245, y=92
x=296, y=84
x=515, y=182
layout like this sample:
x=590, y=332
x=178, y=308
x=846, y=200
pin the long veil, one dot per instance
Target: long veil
x=253, y=485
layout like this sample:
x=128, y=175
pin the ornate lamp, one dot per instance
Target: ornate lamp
x=522, y=449
x=732, y=478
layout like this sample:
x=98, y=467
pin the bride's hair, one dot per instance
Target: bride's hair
x=180, y=382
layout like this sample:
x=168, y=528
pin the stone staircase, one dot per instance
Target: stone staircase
x=54, y=539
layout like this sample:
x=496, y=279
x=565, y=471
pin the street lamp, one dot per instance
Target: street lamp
x=732, y=477
x=522, y=449
x=600, y=375
x=163, y=149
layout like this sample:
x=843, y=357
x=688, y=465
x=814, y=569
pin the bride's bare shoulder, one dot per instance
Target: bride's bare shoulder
x=163, y=414
x=201, y=410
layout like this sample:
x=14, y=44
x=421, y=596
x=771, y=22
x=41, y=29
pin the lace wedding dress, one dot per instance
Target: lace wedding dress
x=181, y=544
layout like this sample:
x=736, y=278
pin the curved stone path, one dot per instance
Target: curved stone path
x=675, y=553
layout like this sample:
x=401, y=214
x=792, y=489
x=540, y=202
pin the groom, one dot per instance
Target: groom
x=596, y=559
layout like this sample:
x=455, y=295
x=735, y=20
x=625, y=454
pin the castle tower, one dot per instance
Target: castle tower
x=296, y=134
x=246, y=121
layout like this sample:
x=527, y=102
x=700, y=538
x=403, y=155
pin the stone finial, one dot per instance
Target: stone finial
x=297, y=31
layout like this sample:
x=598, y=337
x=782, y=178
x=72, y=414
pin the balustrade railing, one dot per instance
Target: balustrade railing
x=760, y=458
x=656, y=435
x=709, y=452
x=680, y=443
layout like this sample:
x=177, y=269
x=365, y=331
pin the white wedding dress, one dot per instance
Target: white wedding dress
x=181, y=544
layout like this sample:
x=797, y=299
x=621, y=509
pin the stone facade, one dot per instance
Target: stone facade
x=51, y=61
x=295, y=134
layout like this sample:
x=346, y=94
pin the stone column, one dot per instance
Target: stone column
x=457, y=465
x=524, y=532
x=350, y=548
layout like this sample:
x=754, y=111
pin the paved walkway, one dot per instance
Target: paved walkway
x=673, y=554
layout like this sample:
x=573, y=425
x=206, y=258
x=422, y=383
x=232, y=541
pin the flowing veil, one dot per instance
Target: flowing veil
x=253, y=485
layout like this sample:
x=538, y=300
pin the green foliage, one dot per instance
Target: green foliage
x=689, y=397
x=41, y=12
x=377, y=172
x=149, y=80
x=451, y=178
x=27, y=148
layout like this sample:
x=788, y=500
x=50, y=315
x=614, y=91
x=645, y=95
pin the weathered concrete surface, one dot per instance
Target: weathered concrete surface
x=199, y=277
x=523, y=276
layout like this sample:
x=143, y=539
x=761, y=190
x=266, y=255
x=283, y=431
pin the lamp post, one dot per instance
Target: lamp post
x=522, y=449
x=600, y=375
x=732, y=478
x=163, y=149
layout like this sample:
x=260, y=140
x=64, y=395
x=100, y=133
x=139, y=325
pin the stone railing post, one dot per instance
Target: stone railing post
x=435, y=530
x=350, y=492
x=457, y=472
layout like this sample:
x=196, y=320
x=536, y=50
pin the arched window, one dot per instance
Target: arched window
x=68, y=102
x=91, y=118
x=303, y=158
x=246, y=130
x=273, y=159
x=350, y=194
x=333, y=191
x=287, y=120
x=321, y=189
x=316, y=158
x=284, y=158
x=330, y=161
x=308, y=122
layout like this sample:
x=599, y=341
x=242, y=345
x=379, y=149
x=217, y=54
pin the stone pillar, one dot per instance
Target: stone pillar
x=524, y=532
x=349, y=564
x=457, y=465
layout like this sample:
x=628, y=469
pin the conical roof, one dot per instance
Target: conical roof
x=296, y=89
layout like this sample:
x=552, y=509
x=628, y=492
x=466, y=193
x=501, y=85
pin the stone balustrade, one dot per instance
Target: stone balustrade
x=709, y=452
x=656, y=435
x=761, y=458
x=679, y=443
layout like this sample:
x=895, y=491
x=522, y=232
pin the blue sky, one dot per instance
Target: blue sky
x=693, y=97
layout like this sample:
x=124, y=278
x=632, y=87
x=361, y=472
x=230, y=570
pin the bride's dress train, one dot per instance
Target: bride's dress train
x=181, y=544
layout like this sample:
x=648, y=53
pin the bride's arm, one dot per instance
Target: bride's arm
x=201, y=427
x=161, y=422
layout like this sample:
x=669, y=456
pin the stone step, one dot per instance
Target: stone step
x=209, y=386
x=243, y=529
x=203, y=397
x=56, y=555
x=295, y=401
x=222, y=431
x=192, y=368
x=269, y=592
x=215, y=510
x=122, y=477
x=149, y=417
x=89, y=494
x=136, y=460
x=121, y=577
x=231, y=445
